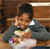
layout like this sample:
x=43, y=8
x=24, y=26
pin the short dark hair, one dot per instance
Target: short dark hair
x=26, y=8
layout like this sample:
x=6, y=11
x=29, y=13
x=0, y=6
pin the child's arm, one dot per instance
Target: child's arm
x=40, y=32
x=10, y=31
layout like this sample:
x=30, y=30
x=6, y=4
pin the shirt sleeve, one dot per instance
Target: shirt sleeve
x=41, y=32
x=9, y=32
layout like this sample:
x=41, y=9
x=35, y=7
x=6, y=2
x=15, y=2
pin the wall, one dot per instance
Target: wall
x=10, y=9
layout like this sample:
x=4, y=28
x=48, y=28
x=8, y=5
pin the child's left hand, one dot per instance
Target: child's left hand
x=27, y=35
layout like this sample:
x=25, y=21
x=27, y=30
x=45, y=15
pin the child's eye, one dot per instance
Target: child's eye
x=27, y=21
x=21, y=20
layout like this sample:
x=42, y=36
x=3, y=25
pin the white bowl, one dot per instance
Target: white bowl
x=25, y=44
x=22, y=45
x=30, y=42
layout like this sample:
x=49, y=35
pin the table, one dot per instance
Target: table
x=5, y=45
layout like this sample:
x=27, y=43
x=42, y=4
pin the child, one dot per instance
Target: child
x=25, y=20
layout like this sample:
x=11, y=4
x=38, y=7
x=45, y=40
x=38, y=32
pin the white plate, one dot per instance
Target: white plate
x=18, y=33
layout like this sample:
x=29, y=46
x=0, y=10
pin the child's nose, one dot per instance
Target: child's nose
x=23, y=22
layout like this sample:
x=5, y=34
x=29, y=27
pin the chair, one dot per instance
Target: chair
x=43, y=21
x=2, y=18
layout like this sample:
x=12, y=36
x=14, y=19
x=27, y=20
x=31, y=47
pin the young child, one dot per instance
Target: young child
x=25, y=20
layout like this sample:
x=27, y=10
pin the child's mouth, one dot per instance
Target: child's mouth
x=22, y=26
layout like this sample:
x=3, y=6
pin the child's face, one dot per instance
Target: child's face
x=24, y=20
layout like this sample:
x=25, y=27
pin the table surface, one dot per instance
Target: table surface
x=5, y=45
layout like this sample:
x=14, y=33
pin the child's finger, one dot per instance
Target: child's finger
x=15, y=17
x=27, y=33
x=24, y=35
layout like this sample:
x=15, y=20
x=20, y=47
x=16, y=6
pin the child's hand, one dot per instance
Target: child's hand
x=27, y=35
x=16, y=21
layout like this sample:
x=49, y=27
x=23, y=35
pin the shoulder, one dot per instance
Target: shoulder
x=12, y=23
x=36, y=21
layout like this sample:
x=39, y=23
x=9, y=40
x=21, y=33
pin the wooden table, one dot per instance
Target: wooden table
x=5, y=45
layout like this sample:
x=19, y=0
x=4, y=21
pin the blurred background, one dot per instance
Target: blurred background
x=9, y=9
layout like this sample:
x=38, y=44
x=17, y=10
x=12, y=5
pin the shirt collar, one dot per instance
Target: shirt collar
x=32, y=23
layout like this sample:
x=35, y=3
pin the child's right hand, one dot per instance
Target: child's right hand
x=27, y=35
x=16, y=21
